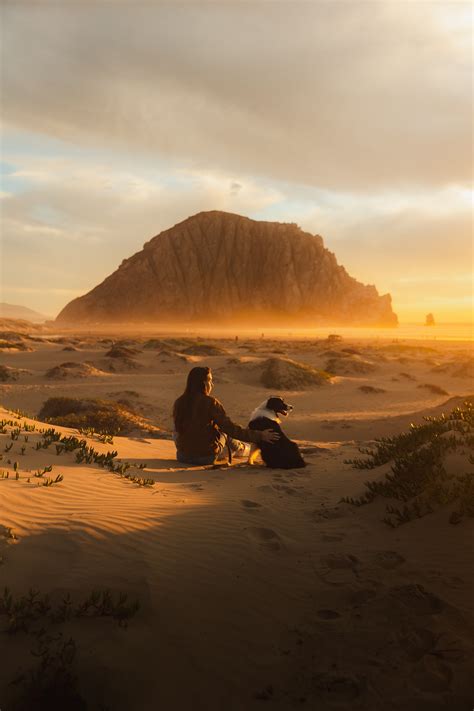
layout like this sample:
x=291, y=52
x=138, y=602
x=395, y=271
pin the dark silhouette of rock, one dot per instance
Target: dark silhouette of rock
x=216, y=266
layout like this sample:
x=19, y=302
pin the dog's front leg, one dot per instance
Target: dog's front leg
x=254, y=452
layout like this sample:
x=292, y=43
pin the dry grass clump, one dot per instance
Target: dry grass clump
x=166, y=354
x=19, y=326
x=350, y=365
x=351, y=351
x=370, y=390
x=153, y=344
x=120, y=351
x=73, y=370
x=9, y=374
x=464, y=369
x=13, y=345
x=12, y=336
x=431, y=465
x=287, y=374
x=204, y=349
x=102, y=415
x=435, y=389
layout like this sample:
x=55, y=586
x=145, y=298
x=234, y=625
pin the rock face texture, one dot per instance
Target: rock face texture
x=217, y=266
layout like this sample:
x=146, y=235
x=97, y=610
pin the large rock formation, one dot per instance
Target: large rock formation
x=219, y=266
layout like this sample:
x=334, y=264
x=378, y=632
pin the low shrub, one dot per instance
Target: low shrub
x=432, y=465
x=105, y=416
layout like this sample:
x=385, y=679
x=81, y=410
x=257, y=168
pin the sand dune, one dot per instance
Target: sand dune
x=256, y=586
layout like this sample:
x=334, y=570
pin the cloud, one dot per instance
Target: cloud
x=352, y=118
x=73, y=222
x=400, y=242
x=342, y=95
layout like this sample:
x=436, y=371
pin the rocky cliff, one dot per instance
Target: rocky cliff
x=219, y=266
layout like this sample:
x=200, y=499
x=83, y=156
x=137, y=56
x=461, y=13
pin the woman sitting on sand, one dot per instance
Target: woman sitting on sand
x=203, y=432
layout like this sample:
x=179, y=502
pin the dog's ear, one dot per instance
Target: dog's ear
x=273, y=403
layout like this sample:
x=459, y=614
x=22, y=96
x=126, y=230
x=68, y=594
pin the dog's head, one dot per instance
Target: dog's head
x=278, y=406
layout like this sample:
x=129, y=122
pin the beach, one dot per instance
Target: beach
x=257, y=587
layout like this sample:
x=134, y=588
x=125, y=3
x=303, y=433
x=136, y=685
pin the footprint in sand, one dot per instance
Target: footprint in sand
x=328, y=614
x=339, y=561
x=432, y=676
x=246, y=503
x=360, y=597
x=338, y=568
x=285, y=489
x=417, y=642
x=194, y=487
x=388, y=559
x=266, y=537
x=332, y=538
x=265, y=489
x=417, y=599
x=337, y=688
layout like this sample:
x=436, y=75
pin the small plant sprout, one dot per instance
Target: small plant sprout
x=48, y=481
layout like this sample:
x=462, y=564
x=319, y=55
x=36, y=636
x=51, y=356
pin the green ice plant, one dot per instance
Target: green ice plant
x=418, y=477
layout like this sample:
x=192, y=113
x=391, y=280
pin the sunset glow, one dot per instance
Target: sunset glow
x=352, y=119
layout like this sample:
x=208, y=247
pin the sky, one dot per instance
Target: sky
x=351, y=118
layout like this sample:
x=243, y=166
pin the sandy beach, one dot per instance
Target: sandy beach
x=257, y=588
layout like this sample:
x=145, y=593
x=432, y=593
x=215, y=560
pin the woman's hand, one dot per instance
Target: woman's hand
x=270, y=436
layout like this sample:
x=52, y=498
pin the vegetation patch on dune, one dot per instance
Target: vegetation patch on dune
x=287, y=374
x=204, y=349
x=431, y=465
x=350, y=365
x=120, y=351
x=371, y=390
x=52, y=683
x=465, y=369
x=18, y=325
x=9, y=374
x=460, y=368
x=435, y=389
x=73, y=370
x=102, y=415
x=12, y=345
x=187, y=346
x=166, y=354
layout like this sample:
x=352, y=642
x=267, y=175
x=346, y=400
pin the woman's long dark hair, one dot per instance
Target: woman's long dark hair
x=196, y=384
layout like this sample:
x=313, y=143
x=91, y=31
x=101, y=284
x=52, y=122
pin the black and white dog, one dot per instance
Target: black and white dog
x=283, y=454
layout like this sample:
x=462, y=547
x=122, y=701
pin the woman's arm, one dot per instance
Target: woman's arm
x=218, y=415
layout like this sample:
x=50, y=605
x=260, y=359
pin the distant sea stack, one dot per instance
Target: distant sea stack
x=217, y=267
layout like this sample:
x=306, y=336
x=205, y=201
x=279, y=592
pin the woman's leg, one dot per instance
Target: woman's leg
x=239, y=449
